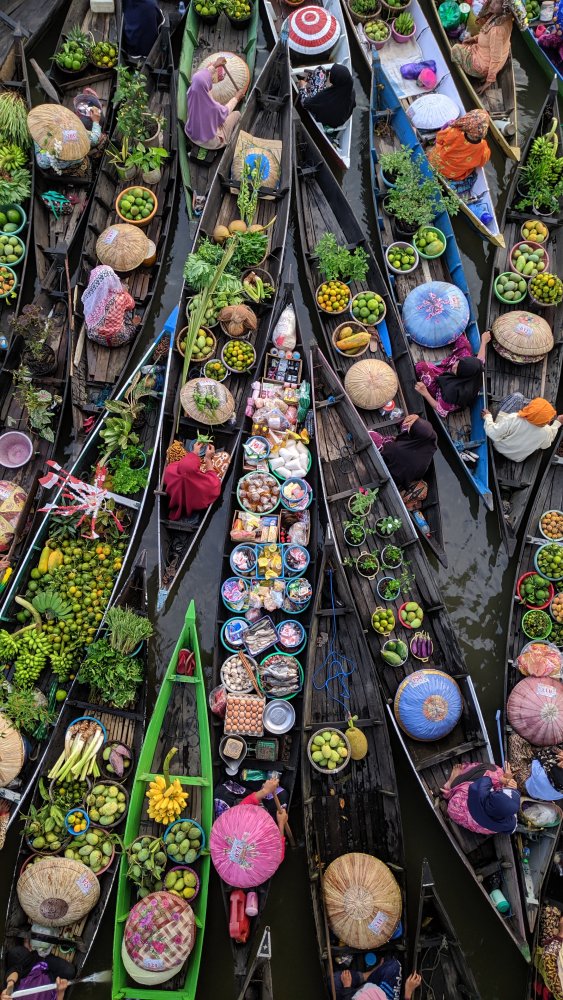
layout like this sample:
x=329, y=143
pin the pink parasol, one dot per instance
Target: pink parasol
x=245, y=845
x=535, y=710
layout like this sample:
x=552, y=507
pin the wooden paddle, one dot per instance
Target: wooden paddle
x=96, y=977
x=289, y=834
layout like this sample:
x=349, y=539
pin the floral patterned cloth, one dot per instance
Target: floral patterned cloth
x=429, y=373
x=160, y=932
x=456, y=798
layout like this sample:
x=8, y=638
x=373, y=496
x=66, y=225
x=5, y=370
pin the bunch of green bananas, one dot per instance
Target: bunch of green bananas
x=33, y=648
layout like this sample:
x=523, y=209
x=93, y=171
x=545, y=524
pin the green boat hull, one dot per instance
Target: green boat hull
x=200, y=787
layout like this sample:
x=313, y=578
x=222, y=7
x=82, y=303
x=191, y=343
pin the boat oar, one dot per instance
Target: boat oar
x=279, y=807
x=96, y=977
x=500, y=742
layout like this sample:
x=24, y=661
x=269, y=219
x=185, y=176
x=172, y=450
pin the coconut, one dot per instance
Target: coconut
x=220, y=234
x=237, y=226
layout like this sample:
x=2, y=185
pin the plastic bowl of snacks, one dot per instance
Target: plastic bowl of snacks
x=256, y=449
x=333, y=297
x=216, y=370
x=296, y=494
x=551, y=525
x=292, y=636
x=402, y=258
x=234, y=593
x=296, y=558
x=243, y=559
x=298, y=592
x=368, y=308
x=329, y=751
x=536, y=624
x=238, y=356
x=235, y=677
x=232, y=634
x=258, y=492
x=294, y=454
x=548, y=560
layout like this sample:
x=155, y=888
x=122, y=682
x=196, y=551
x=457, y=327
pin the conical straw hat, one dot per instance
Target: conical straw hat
x=224, y=90
x=59, y=131
x=57, y=891
x=370, y=384
x=362, y=899
x=522, y=336
x=207, y=415
x=12, y=752
x=123, y=247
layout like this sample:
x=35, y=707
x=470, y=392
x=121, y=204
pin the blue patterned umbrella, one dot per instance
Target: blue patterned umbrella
x=428, y=704
x=435, y=314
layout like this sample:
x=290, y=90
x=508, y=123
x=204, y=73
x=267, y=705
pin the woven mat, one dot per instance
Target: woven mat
x=393, y=56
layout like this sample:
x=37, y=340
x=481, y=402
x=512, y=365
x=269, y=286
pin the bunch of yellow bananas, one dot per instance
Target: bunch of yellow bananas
x=166, y=799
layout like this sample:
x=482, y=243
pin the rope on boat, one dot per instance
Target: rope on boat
x=335, y=666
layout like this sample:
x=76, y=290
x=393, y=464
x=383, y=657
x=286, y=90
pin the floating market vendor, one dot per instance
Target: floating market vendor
x=522, y=426
x=453, y=383
x=482, y=798
x=108, y=309
x=194, y=482
x=461, y=148
x=409, y=454
x=328, y=97
x=537, y=770
x=142, y=21
x=483, y=55
x=61, y=142
x=26, y=968
x=211, y=124
x=381, y=983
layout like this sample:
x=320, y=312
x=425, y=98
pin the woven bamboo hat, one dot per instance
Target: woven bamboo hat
x=522, y=337
x=123, y=247
x=57, y=891
x=224, y=90
x=12, y=752
x=59, y=131
x=370, y=384
x=362, y=899
x=158, y=938
x=207, y=414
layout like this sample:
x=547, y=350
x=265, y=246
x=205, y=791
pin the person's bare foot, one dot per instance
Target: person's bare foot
x=456, y=771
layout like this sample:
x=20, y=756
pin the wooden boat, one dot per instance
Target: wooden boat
x=499, y=100
x=21, y=20
x=534, y=847
x=258, y=984
x=514, y=482
x=336, y=144
x=285, y=746
x=550, y=905
x=544, y=57
x=103, y=27
x=389, y=94
x=338, y=433
x=74, y=941
x=96, y=369
x=391, y=129
x=198, y=165
x=323, y=208
x=438, y=955
x=267, y=114
x=179, y=720
x=361, y=812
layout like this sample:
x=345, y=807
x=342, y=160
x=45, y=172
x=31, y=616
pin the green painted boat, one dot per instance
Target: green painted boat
x=179, y=720
x=200, y=39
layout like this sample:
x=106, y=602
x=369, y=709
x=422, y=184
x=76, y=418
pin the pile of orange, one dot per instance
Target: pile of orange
x=333, y=296
x=77, y=822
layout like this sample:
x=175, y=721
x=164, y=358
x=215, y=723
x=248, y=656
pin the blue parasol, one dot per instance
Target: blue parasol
x=435, y=314
x=428, y=704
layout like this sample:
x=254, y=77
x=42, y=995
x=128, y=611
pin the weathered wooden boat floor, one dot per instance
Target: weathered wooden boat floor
x=74, y=941
x=323, y=208
x=359, y=809
x=438, y=955
x=515, y=481
x=104, y=27
x=349, y=461
x=32, y=17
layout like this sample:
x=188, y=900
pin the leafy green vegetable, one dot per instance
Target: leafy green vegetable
x=114, y=678
x=24, y=710
x=334, y=261
x=127, y=629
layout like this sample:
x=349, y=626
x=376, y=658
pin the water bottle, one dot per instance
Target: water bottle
x=3, y=343
x=421, y=522
x=181, y=8
x=251, y=908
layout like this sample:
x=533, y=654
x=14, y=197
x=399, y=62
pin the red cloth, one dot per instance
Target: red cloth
x=188, y=488
x=252, y=800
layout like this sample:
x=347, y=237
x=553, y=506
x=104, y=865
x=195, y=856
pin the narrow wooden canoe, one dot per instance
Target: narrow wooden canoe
x=103, y=27
x=287, y=745
x=438, y=955
x=179, y=719
x=258, y=984
x=74, y=941
x=359, y=810
x=534, y=847
x=388, y=93
x=514, y=482
x=199, y=40
x=96, y=369
x=323, y=208
x=336, y=144
x=338, y=434
x=390, y=130
x=267, y=114
x=546, y=984
x=499, y=100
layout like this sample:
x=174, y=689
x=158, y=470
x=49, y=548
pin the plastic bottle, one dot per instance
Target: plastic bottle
x=421, y=522
x=251, y=908
x=181, y=8
x=239, y=924
x=3, y=343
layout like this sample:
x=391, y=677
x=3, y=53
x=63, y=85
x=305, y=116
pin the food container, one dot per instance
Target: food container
x=296, y=559
x=171, y=829
x=234, y=676
x=243, y=559
x=279, y=717
x=545, y=620
x=311, y=748
x=291, y=636
x=232, y=634
x=230, y=758
x=234, y=593
x=398, y=246
x=298, y=592
x=258, y=492
x=244, y=715
x=280, y=676
x=549, y=587
x=557, y=545
x=296, y=494
x=82, y=815
x=260, y=636
x=256, y=449
x=558, y=537
x=184, y=870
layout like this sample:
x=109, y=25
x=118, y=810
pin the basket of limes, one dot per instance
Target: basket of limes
x=368, y=308
x=136, y=205
x=104, y=55
x=430, y=242
x=238, y=356
x=402, y=258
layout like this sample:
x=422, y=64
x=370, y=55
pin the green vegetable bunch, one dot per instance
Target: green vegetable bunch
x=114, y=678
x=334, y=261
x=404, y=23
x=127, y=629
x=13, y=119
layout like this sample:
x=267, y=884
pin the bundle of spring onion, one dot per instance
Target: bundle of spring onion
x=78, y=760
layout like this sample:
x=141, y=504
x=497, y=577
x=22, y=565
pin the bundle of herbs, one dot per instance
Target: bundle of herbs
x=112, y=677
x=542, y=175
x=13, y=119
x=27, y=711
x=417, y=197
x=127, y=629
x=334, y=261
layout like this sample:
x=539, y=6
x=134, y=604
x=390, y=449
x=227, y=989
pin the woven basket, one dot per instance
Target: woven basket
x=224, y=90
x=370, y=384
x=522, y=336
x=122, y=246
x=364, y=18
x=249, y=145
x=158, y=938
x=362, y=899
x=207, y=416
x=59, y=131
x=12, y=752
x=57, y=891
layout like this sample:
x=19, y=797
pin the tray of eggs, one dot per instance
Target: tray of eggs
x=244, y=715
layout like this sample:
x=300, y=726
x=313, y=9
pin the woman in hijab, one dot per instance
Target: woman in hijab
x=408, y=456
x=461, y=147
x=142, y=21
x=538, y=770
x=108, y=309
x=522, y=426
x=194, y=482
x=329, y=98
x=209, y=123
x=381, y=983
x=484, y=54
x=482, y=798
x=455, y=381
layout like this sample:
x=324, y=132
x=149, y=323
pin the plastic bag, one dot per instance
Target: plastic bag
x=538, y=659
x=285, y=330
x=449, y=15
x=218, y=701
x=411, y=71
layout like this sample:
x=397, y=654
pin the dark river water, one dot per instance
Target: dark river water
x=477, y=591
